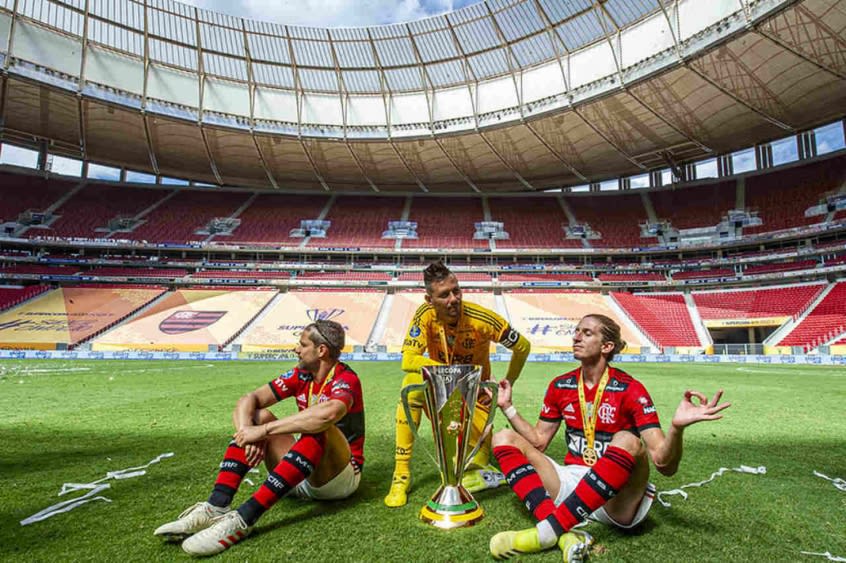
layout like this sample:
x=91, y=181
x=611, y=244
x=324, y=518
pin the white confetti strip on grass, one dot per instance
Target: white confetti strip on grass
x=93, y=489
x=827, y=555
x=836, y=481
x=718, y=473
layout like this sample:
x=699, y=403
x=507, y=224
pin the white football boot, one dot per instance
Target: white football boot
x=192, y=520
x=226, y=531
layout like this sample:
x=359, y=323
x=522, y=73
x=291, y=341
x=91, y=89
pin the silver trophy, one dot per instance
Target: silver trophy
x=451, y=394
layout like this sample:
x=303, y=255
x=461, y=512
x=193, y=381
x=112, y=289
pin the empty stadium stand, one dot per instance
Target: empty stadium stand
x=694, y=206
x=755, y=303
x=360, y=221
x=622, y=278
x=531, y=223
x=95, y=205
x=270, y=218
x=618, y=221
x=11, y=296
x=780, y=267
x=824, y=322
x=446, y=223
x=781, y=197
x=176, y=219
x=662, y=316
x=19, y=193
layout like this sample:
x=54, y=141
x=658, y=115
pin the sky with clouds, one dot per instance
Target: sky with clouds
x=333, y=13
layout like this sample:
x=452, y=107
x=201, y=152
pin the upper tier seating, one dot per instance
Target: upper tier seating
x=375, y=276
x=695, y=206
x=824, y=322
x=360, y=221
x=237, y=274
x=270, y=218
x=19, y=193
x=705, y=274
x=768, y=302
x=614, y=277
x=445, y=223
x=95, y=205
x=531, y=222
x=616, y=217
x=39, y=269
x=551, y=276
x=662, y=316
x=120, y=271
x=780, y=267
x=189, y=210
x=781, y=197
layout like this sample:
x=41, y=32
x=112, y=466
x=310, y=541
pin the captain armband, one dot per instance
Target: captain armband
x=510, y=337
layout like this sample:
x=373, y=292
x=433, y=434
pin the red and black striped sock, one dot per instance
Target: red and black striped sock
x=524, y=481
x=295, y=466
x=598, y=486
x=232, y=470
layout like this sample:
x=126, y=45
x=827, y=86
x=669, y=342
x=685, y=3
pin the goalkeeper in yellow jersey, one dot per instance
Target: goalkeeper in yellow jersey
x=452, y=331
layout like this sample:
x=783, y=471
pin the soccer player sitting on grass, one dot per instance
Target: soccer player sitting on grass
x=452, y=331
x=611, y=428
x=323, y=463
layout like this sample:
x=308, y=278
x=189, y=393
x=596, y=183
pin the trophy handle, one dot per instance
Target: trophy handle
x=405, y=406
x=493, y=386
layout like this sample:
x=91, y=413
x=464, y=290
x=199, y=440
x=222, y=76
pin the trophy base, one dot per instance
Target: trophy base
x=452, y=507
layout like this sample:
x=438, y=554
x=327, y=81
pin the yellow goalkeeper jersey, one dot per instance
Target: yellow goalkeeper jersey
x=468, y=342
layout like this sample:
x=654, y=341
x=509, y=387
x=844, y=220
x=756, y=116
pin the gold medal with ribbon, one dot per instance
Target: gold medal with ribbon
x=329, y=377
x=590, y=412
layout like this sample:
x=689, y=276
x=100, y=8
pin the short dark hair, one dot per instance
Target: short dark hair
x=328, y=333
x=610, y=333
x=435, y=272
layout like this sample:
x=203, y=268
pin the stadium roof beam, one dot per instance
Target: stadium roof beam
x=251, y=86
x=201, y=69
x=794, y=48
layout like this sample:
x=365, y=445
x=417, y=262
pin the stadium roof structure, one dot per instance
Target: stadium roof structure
x=500, y=96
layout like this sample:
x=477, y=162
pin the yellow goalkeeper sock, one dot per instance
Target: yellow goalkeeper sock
x=483, y=457
x=404, y=433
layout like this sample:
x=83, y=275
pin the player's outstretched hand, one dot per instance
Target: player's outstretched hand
x=690, y=412
x=503, y=398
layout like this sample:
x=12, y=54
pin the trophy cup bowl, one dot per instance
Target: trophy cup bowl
x=450, y=394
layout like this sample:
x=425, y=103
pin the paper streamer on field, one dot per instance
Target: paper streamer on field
x=66, y=506
x=836, y=481
x=827, y=555
x=718, y=473
x=120, y=474
x=93, y=489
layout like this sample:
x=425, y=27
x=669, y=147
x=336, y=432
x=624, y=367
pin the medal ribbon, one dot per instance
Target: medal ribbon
x=589, y=420
x=329, y=378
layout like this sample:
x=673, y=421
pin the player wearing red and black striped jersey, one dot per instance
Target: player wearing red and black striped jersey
x=316, y=453
x=612, y=431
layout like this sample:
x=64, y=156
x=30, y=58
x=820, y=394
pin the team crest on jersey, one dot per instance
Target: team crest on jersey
x=414, y=332
x=468, y=343
x=287, y=375
x=188, y=321
x=607, y=413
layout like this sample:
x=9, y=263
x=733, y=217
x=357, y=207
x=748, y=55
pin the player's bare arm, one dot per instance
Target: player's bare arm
x=246, y=415
x=538, y=435
x=315, y=419
x=666, y=451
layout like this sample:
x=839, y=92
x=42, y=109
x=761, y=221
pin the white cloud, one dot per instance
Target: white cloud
x=332, y=13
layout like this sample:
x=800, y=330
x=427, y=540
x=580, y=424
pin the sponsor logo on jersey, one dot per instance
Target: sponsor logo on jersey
x=187, y=321
x=568, y=383
x=569, y=408
x=607, y=413
x=287, y=375
x=643, y=401
x=323, y=314
x=468, y=343
x=649, y=410
x=616, y=386
x=340, y=386
x=545, y=410
x=301, y=398
x=576, y=444
x=414, y=331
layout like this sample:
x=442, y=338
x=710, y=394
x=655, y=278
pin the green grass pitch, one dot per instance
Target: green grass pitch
x=74, y=421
